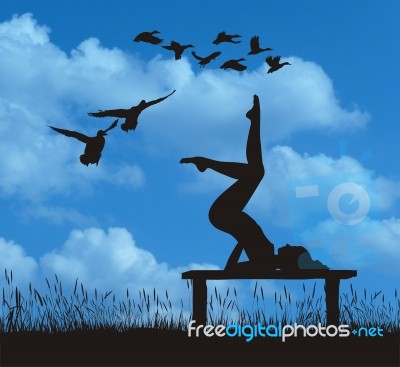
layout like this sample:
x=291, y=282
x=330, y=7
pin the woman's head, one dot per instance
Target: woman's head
x=288, y=257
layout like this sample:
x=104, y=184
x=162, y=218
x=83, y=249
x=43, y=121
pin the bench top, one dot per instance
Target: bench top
x=275, y=274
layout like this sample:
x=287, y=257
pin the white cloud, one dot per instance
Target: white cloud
x=112, y=261
x=41, y=84
x=308, y=221
x=57, y=215
x=274, y=200
x=36, y=161
x=286, y=169
x=210, y=108
x=129, y=175
x=24, y=30
x=371, y=245
x=106, y=260
x=101, y=258
x=13, y=258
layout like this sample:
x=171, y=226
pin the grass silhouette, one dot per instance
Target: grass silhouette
x=57, y=311
x=367, y=311
x=66, y=327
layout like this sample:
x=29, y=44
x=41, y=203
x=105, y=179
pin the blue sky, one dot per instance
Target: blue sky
x=140, y=218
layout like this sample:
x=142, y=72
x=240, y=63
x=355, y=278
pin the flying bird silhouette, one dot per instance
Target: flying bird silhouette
x=177, y=48
x=223, y=37
x=274, y=64
x=148, y=37
x=130, y=115
x=205, y=60
x=255, y=46
x=234, y=64
x=94, y=144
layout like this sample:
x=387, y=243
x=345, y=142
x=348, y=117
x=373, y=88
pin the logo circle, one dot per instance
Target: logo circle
x=358, y=194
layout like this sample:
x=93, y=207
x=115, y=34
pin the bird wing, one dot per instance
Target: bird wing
x=151, y=103
x=255, y=43
x=219, y=38
x=196, y=56
x=155, y=40
x=214, y=55
x=175, y=44
x=139, y=37
x=121, y=113
x=114, y=124
x=271, y=61
x=226, y=64
x=277, y=59
x=73, y=134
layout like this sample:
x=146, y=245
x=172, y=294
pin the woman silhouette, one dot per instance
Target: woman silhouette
x=227, y=214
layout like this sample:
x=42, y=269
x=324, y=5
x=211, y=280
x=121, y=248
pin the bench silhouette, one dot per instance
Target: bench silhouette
x=332, y=282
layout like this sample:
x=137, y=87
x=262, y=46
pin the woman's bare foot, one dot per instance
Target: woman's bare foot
x=199, y=162
x=255, y=110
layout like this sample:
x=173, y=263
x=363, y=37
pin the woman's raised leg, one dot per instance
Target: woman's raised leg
x=226, y=213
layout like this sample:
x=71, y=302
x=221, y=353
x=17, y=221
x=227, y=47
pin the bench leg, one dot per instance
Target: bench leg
x=200, y=301
x=332, y=301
